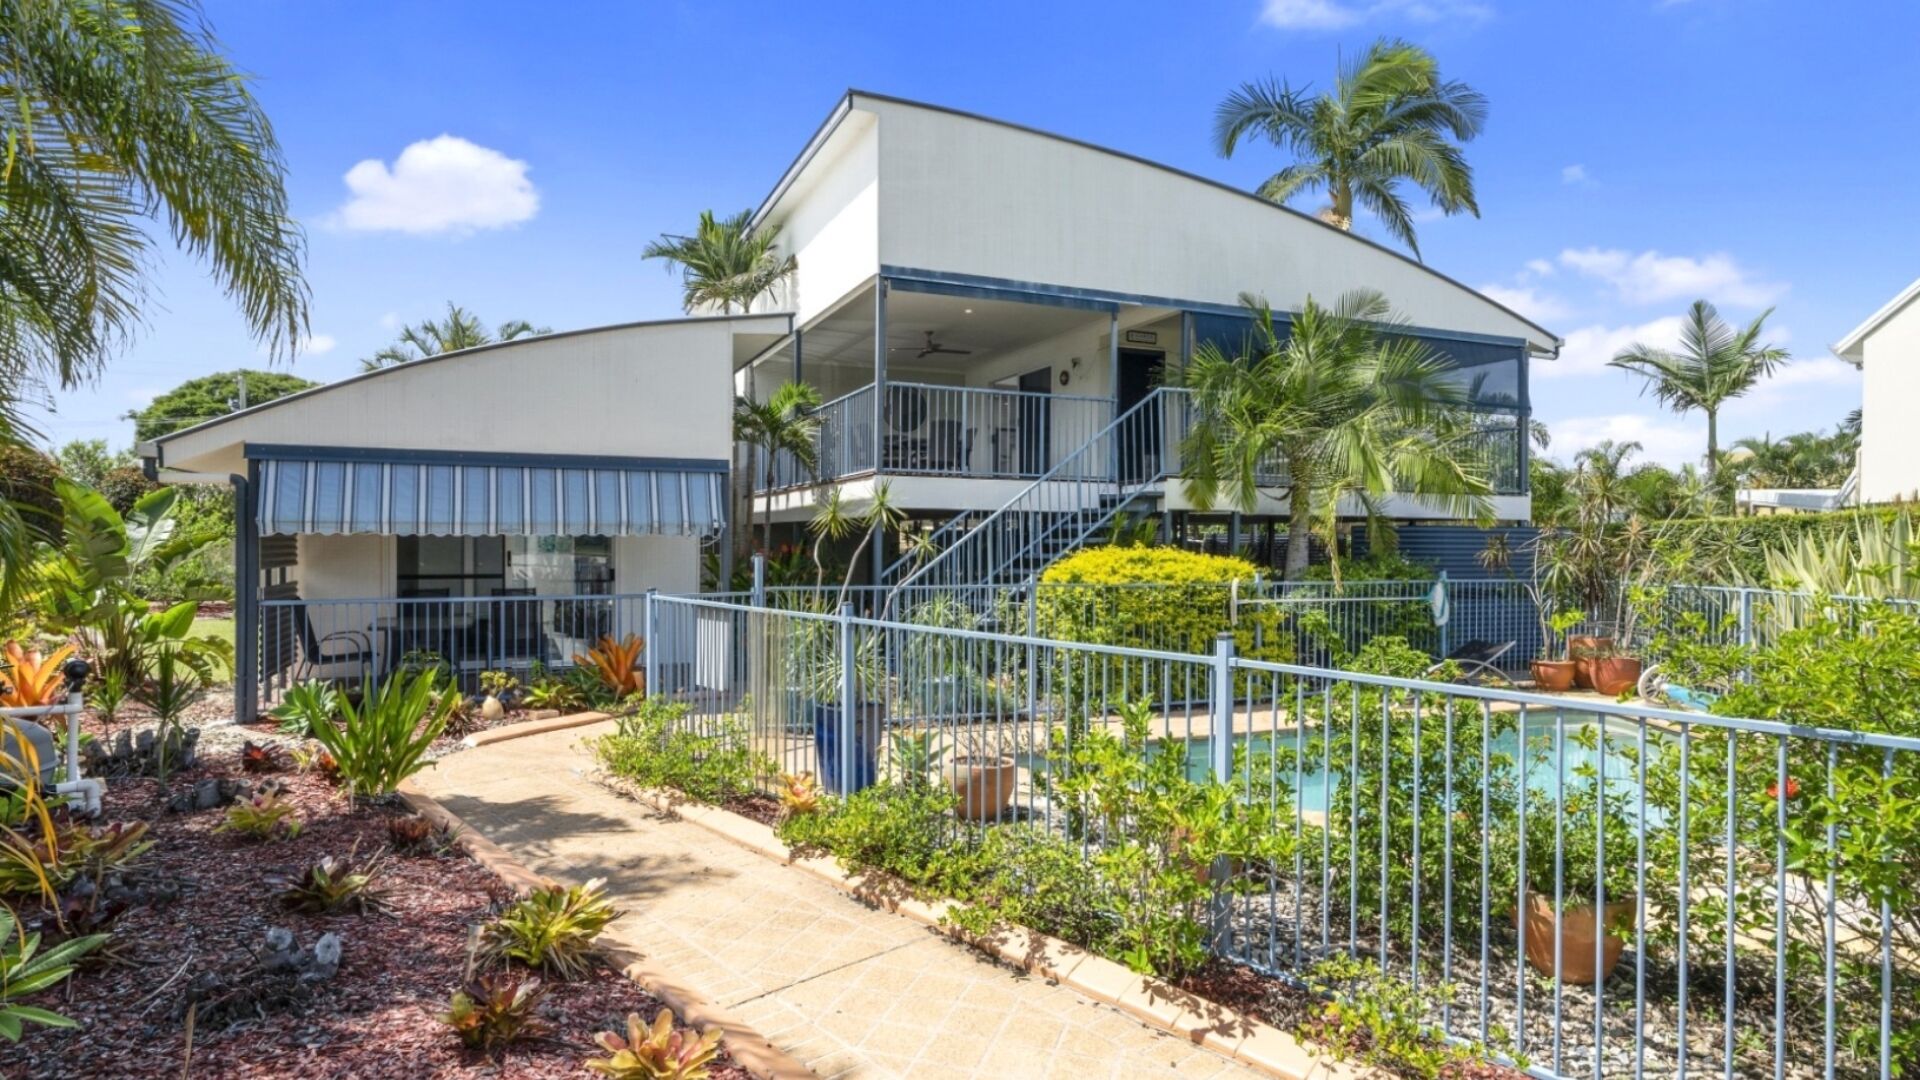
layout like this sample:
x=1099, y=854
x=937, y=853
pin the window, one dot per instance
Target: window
x=492, y=565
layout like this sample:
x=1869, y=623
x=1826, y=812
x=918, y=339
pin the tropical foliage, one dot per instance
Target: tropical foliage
x=210, y=397
x=383, y=739
x=1714, y=364
x=460, y=329
x=26, y=971
x=1389, y=118
x=726, y=264
x=784, y=423
x=1337, y=407
x=126, y=113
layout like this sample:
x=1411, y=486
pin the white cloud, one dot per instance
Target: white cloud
x=1528, y=301
x=1576, y=176
x=1650, y=277
x=390, y=320
x=1669, y=440
x=1791, y=385
x=1539, y=268
x=1587, y=350
x=443, y=184
x=318, y=345
x=1338, y=14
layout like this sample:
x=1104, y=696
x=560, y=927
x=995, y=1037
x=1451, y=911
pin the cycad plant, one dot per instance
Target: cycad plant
x=1338, y=408
x=1389, y=118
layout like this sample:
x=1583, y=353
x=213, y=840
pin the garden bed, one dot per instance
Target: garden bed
x=374, y=1018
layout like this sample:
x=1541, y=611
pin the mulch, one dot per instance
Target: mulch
x=374, y=1019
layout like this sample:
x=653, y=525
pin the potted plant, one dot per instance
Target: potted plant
x=814, y=671
x=501, y=692
x=1553, y=671
x=979, y=772
x=1594, y=919
x=1611, y=672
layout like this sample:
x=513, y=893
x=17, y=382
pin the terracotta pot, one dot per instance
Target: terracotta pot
x=1615, y=675
x=1578, y=929
x=1582, y=649
x=1555, y=676
x=982, y=786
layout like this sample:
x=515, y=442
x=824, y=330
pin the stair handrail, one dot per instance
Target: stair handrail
x=1070, y=472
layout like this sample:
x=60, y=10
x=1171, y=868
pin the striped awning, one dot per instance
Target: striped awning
x=405, y=496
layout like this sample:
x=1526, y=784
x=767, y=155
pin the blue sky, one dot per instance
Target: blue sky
x=1639, y=153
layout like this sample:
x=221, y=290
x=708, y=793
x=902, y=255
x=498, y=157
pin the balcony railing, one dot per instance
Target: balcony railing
x=977, y=432
x=943, y=431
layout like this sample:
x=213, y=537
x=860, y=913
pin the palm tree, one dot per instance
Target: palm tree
x=1339, y=404
x=124, y=113
x=784, y=421
x=1714, y=364
x=461, y=329
x=1600, y=480
x=1390, y=117
x=725, y=263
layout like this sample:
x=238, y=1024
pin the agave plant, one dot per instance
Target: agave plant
x=305, y=706
x=614, y=661
x=32, y=679
x=660, y=1052
x=552, y=929
x=496, y=1009
x=25, y=971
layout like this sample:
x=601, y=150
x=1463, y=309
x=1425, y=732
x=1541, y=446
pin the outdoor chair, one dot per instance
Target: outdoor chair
x=289, y=626
x=949, y=447
x=1477, y=660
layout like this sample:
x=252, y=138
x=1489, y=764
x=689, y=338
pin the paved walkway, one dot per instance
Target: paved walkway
x=850, y=991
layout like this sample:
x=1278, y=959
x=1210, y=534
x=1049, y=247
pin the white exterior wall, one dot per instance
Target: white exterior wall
x=829, y=220
x=967, y=196
x=1889, y=388
x=652, y=390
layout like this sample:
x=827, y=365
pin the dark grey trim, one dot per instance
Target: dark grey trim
x=246, y=593
x=160, y=444
x=848, y=102
x=934, y=283
x=1107, y=300
x=396, y=455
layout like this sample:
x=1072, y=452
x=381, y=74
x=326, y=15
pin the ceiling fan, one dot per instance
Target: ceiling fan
x=932, y=348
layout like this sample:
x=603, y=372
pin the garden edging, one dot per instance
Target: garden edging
x=1152, y=1001
x=749, y=1049
x=533, y=727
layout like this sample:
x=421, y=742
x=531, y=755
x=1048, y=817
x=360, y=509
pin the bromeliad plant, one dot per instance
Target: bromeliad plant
x=552, y=929
x=495, y=1009
x=384, y=739
x=266, y=815
x=336, y=884
x=659, y=1052
x=31, y=679
x=615, y=662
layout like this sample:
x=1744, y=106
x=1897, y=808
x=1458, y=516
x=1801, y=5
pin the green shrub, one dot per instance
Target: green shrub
x=901, y=828
x=1095, y=596
x=384, y=739
x=655, y=746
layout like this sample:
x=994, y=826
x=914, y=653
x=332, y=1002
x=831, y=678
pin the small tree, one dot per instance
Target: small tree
x=210, y=397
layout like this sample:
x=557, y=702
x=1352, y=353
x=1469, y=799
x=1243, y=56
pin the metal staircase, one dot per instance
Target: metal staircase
x=1123, y=467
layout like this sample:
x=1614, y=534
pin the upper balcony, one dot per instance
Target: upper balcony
x=944, y=383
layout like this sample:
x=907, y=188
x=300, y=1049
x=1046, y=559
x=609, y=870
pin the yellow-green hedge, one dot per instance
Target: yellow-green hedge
x=1156, y=598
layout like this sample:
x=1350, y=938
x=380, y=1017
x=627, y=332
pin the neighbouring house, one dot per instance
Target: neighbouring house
x=1886, y=349
x=987, y=310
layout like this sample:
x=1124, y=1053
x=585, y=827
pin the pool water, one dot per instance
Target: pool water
x=1543, y=772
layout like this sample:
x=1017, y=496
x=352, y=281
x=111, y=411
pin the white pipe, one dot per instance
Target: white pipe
x=89, y=790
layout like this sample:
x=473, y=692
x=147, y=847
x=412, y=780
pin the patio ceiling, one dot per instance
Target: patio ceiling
x=982, y=326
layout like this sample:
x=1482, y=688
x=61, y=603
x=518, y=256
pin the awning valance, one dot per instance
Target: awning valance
x=541, y=497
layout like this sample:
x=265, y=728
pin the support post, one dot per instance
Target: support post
x=246, y=596
x=1746, y=617
x=727, y=539
x=1220, y=753
x=652, y=616
x=759, y=579
x=880, y=375
x=849, y=727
